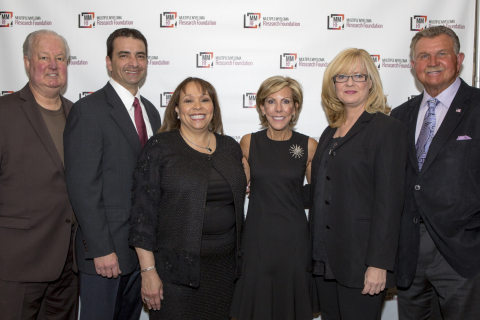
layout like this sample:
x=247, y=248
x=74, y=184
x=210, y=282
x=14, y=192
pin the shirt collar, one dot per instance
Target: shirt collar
x=125, y=95
x=446, y=96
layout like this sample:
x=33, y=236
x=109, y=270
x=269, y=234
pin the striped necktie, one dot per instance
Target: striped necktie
x=427, y=132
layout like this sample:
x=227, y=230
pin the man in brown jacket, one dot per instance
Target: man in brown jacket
x=37, y=222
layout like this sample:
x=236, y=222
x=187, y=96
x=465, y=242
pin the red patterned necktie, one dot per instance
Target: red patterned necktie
x=139, y=123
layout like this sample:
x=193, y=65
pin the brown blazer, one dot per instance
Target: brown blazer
x=35, y=212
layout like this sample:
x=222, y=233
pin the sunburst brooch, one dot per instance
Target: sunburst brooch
x=296, y=151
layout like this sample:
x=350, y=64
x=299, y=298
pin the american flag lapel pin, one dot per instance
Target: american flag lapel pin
x=458, y=110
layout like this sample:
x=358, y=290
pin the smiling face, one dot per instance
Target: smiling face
x=436, y=64
x=279, y=108
x=354, y=94
x=47, y=66
x=195, y=109
x=129, y=62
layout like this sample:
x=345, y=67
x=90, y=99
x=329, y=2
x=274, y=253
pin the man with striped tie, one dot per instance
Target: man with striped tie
x=439, y=249
x=104, y=136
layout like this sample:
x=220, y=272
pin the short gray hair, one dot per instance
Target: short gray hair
x=431, y=33
x=30, y=40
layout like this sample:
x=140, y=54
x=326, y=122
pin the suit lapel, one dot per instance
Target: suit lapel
x=121, y=116
x=34, y=115
x=67, y=106
x=411, y=122
x=154, y=123
x=364, y=118
x=450, y=122
x=320, y=150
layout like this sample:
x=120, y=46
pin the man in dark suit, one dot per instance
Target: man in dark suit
x=36, y=219
x=104, y=136
x=439, y=250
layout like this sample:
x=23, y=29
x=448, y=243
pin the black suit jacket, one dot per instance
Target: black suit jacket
x=101, y=151
x=446, y=193
x=364, y=190
x=35, y=212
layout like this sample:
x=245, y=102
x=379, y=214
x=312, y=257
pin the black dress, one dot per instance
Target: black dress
x=212, y=299
x=187, y=208
x=275, y=281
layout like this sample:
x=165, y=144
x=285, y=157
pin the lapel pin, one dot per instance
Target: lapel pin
x=458, y=110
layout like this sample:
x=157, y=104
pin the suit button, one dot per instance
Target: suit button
x=417, y=187
x=327, y=226
x=67, y=221
x=328, y=178
x=327, y=202
x=415, y=220
x=334, y=154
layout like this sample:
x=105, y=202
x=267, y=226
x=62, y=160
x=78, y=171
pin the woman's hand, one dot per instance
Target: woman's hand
x=152, y=289
x=375, y=280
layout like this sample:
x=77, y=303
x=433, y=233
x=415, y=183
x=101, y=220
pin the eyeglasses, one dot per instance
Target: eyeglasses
x=355, y=77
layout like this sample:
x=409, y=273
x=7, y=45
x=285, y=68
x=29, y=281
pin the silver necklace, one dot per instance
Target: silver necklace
x=208, y=143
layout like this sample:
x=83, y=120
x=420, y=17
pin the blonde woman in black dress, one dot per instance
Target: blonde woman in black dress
x=275, y=281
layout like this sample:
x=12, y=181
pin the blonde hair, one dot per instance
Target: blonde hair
x=344, y=62
x=274, y=84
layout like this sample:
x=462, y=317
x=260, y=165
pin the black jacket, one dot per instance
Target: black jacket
x=364, y=190
x=101, y=151
x=446, y=193
x=169, y=195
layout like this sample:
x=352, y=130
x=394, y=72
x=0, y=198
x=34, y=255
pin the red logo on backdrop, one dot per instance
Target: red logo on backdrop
x=250, y=100
x=205, y=60
x=165, y=98
x=336, y=22
x=6, y=19
x=84, y=94
x=418, y=23
x=168, y=20
x=376, y=60
x=86, y=20
x=288, y=61
x=252, y=20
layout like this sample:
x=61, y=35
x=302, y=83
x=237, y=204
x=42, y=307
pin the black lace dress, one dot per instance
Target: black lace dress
x=188, y=210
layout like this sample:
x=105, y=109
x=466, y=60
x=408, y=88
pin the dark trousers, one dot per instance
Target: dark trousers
x=55, y=300
x=338, y=302
x=436, y=280
x=109, y=298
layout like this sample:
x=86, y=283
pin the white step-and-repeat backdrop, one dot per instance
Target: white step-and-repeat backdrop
x=236, y=45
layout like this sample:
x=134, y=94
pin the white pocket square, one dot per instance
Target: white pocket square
x=464, y=138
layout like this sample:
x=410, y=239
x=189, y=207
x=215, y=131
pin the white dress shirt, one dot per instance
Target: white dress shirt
x=445, y=98
x=127, y=99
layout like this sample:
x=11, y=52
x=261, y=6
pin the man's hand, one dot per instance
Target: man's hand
x=375, y=280
x=107, y=266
